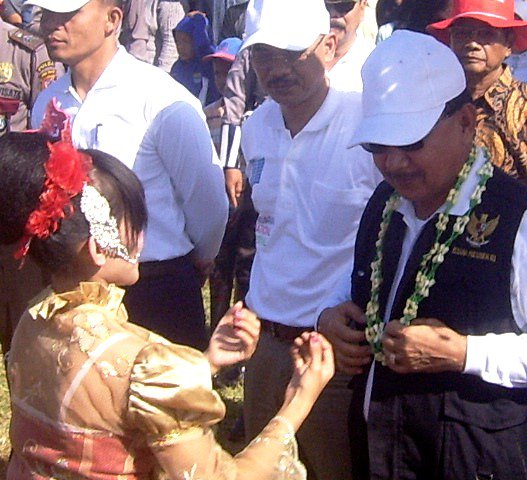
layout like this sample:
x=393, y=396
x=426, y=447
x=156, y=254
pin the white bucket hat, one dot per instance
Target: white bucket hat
x=408, y=79
x=58, y=6
x=285, y=24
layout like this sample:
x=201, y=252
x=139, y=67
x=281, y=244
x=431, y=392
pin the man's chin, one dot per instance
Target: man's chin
x=55, y=55
x=282, y=94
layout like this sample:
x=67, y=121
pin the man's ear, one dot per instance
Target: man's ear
x=114, y=21
x=330, y=46
x=510, y=39
x=96, y=254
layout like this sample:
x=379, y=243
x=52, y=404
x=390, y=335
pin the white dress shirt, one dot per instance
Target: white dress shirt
x=345, y=75
x=498, y=359
x=154, y=125
x=310, y=192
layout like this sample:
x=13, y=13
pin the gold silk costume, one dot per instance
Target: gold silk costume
x=94, y=396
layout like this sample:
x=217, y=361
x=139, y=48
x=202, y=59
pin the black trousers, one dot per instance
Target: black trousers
x=408, y=437
x=167, y=300
x=232, y=266
x=17, y=288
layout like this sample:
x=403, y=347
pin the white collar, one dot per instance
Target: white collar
x=110, y=76
x=320, y=120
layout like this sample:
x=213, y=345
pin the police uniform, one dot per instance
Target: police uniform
x=25, y=70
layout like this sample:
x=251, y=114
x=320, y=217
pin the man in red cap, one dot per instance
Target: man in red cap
x=483, y=33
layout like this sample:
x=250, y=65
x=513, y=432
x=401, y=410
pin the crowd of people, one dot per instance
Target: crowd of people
x=350, y=178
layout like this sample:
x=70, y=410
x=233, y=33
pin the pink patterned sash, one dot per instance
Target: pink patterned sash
x=43, y=451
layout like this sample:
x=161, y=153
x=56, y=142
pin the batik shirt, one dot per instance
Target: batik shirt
x=501, y=124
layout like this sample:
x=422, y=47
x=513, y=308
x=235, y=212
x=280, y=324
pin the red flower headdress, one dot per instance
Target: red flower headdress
x=66, y=173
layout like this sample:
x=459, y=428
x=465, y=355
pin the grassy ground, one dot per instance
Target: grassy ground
x=5, y=413
x=233, y=397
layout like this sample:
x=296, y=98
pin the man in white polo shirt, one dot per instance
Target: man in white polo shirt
x=137, y=113
x=309, y=191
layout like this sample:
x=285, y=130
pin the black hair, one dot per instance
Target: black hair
x=22, y=176
x=386, y=11
x=415, y=15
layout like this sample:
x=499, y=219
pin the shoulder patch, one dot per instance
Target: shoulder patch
x=26, y=39
x=47, y=73
x=6, y=72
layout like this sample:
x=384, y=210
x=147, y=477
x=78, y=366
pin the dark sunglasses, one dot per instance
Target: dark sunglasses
x=378, y=148
x=342, y=8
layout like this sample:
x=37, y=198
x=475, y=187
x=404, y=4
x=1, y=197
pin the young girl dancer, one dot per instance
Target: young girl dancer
x=94, y=396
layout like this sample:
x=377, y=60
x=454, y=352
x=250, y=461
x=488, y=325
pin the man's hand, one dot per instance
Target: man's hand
x=427, y=345
x=352, y=353
x=234, y=184
x=234, y=339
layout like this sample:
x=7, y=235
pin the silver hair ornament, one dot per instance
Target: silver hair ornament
x=103, y=225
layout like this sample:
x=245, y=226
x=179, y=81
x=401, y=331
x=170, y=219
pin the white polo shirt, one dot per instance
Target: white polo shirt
x=309, y=192
x=143, y=117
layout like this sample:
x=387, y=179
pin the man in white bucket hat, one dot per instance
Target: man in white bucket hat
x=139, y=114
x=438, y=286
x=309, y=190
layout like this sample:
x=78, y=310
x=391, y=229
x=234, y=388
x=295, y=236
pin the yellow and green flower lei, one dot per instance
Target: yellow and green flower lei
x=425, y=278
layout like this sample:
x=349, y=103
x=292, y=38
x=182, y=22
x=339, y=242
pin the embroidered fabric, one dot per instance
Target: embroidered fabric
x=84, y=380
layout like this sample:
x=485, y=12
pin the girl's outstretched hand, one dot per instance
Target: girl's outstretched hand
x=234, y=339
x=314, y=366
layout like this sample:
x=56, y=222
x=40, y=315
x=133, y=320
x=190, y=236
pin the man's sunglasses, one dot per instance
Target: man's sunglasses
x=378, y=148
x=342, y=8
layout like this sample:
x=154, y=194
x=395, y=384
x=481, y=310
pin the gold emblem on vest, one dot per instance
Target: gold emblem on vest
x=6, y=72
x=480, y=229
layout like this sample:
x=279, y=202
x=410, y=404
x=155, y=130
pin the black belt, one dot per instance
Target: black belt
x=163, y=267
x=283, y=332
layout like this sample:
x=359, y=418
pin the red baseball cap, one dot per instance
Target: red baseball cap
x=496, y=13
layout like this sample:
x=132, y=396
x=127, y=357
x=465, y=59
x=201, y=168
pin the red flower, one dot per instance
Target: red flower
x=45, y=220
x=66, y=173
x=67, y=167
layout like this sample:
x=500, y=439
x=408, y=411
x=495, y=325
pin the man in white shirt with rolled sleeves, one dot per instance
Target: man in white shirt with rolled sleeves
x=139, y=114
x=309, y=190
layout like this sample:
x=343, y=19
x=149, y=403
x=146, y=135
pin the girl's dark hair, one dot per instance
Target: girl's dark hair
x=22, y=176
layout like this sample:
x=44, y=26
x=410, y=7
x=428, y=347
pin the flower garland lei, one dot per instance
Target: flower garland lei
x=425, y=278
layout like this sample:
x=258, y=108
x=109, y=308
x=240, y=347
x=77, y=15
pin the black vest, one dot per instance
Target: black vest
x=471, y=295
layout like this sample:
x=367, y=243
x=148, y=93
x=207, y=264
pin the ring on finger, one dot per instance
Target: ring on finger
x=392, y=358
